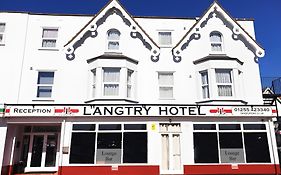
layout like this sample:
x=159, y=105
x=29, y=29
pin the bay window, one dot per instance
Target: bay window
x=230, y=143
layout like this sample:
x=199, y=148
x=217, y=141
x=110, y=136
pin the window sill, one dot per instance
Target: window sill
x=49, y=49
x=166, y=99
x=229, y=101
x=43, y=100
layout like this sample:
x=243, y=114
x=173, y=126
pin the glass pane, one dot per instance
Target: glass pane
x=223, y=76
x=166, y=92
x=166, y=78
x=215, y=37
x=204, y=126
x=231, y=148
x=44, y=91
x=135, y=147
x=25, y=148
x=37, y=149
x=109, y=148
x=224, y=90
x=49, y=43
x=111, y=90
x=229, y=126
x=50, y=33
x=1, y=38
x=113, y=45
x=165, y=151
x=256, y=145
x=135, y=126
x=206, y=148
x=82, y=148
x=216, y=47
x=46, y=129
x=205, y=91
x=204, y=78
x=254, y=126
x=45, y=78
x=111, y=74
x=129, y=91
x=84, y=127
x=27, y=129
x=113, y=34
x=110, y=127
x=165, y=38
x=51, y=151
x=2, y=27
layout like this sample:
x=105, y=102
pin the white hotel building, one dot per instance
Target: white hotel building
x=115, y=94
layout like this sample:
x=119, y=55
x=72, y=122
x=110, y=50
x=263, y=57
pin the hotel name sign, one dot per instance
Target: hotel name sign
x=142, y=110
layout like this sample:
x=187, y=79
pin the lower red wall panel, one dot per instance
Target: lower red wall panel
x=7, y=170
x=108, y=170
x=229, y=169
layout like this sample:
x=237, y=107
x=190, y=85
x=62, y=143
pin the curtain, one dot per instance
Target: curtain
x=111, y=77
x=216, y=47
x=113, y=35
x=205, y=85
x=48, y=43
x=166, y=92
x=113, y=45
x=2, y=27
x=223, y=78
x=165, y=38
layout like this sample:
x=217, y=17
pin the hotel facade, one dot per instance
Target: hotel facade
x=118, y=94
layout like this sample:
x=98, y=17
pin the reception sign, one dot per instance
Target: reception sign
x=136, y=110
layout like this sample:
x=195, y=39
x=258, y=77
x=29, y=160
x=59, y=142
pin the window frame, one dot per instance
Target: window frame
x=51, y=85
x=122, y=131
x=113, y=40
x=242, y=130
x=203, y=85
x=220, y=43
x=49, y=38
x=172, y=85
x=230, y=71
x=2, y=33
x=160, y=39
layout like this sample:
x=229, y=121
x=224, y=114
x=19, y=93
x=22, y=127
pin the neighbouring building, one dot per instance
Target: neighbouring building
x=118, y=94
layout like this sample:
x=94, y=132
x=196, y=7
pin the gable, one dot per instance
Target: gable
x=215, y=11
x=90, y=31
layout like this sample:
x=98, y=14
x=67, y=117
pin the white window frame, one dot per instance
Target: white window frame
x=49, y=38
x=45, y=85
x=166, y=85
x=104, y=83
x=219, y=43
x=205, y=85
x=109, y=40
x=169, y=44
x=224, y=84
x=2, y=33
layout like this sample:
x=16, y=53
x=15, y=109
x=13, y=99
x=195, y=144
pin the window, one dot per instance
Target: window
x=224, y=82
x=94, y=75
x=111, y=80
x=165, y=38
x=110, y=144
x=45, y=84
x=113, y=37
x=166, y=83
x=205, y=84
x=216, y=42
x=129, y=83
x=49, y=37
x=2, y=33
x=229, y=143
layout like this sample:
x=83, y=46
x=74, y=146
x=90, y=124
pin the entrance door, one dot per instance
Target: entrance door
x=171, y=154
x=39, y=151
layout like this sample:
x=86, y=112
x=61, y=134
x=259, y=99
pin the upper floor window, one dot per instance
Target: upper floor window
x=129, y=83
x=49, y=37
x=111, y=81
x=165, y=38
x=94, y=82
x=166, y=85
x=113, y=37
x=45, y=83
x=205, y=84
x=2, y=33
x=216, y=42
x=224, y=82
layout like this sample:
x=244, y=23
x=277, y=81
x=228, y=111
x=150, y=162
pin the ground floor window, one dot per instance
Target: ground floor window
x=231, y=143
x=108, y=144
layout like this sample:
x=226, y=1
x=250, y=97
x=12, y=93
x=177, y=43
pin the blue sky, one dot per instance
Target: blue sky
x=267, y=15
